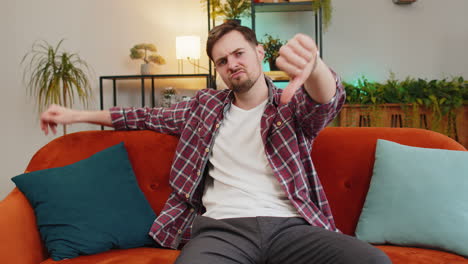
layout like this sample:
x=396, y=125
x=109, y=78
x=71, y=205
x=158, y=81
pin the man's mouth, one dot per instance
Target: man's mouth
x=236, y=74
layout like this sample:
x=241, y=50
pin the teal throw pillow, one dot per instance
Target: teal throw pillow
x=417, y=197
x=88, y=207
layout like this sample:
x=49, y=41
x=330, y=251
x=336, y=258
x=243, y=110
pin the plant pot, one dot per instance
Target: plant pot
x=147, y=69
x=238, y=21
x=273, y=66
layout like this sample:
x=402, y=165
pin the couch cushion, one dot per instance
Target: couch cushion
x=150, y=153
x=90, y=206
x=344, y=158
x=126, y=256
x=411, y=255
x=417, y=197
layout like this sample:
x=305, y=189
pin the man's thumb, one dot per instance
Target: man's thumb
x=291, y=88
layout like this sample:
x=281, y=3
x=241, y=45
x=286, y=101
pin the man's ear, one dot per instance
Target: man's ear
x=260, y=51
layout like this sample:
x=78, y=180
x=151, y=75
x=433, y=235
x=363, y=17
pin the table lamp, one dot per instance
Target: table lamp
x=188, y=48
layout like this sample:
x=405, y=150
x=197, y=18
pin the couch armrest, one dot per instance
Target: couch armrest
x=20, y=241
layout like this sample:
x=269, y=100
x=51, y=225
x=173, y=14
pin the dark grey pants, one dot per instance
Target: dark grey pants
x=272, y=240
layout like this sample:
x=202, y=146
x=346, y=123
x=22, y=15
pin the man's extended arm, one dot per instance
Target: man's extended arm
x=164, y=120
x=56, y=115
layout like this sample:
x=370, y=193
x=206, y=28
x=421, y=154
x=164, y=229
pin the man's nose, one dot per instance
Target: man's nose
x=232, y=64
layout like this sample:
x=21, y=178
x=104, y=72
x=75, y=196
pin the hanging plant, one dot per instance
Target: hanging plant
x=327, y=11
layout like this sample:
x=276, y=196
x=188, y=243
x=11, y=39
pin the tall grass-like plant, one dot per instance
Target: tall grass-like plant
x=53, y=76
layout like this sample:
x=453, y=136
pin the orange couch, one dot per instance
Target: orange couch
x=344, y=159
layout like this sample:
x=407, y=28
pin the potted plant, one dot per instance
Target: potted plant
x=53, y=76
x=146, y=52
x=271, y=46
x=169, y=97
x=438, y=105
x=229, y=9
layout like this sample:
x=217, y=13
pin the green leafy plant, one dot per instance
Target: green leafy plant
x=168, y=91
x=214, y=7
x=442, y=98
x=235, y=9
x=229, y=9
x=53, y=76
x=146, y=52
x=327, y=11
x=271, y=45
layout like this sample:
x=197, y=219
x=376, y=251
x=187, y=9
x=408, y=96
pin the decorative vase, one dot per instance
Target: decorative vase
x=146, y=69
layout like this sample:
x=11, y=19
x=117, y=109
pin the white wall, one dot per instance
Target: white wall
x=102, y=32
x=373, y=37
x=427, y=39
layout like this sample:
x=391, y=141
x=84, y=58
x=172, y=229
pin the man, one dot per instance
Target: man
x=244, y=186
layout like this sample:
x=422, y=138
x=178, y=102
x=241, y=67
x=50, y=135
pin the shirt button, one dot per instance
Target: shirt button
x=278, y=123
x=207, y=150
x=187, y=196
x=198, y=173
x=192, y=210
x=199, y=129
x=179, y=231
x=217, y=126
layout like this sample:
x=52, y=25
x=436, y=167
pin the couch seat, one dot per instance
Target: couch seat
x=411, y=255
x=125, y=256
x=399, y=255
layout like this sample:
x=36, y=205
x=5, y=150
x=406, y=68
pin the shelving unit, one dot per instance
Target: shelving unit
x=154, y=78
x=283, y=7
x=290, y=7
x=142, y=79
x=211, y=24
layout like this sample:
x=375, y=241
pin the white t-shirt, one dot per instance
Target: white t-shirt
x=241, y=182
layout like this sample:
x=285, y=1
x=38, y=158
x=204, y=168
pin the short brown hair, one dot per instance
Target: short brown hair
x=219, y=31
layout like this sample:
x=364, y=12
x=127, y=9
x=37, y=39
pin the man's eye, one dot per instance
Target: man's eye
x=221, y=63
x=239, y=53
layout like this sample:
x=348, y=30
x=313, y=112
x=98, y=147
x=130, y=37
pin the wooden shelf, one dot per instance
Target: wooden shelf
x=277, y=75
x=283, y=7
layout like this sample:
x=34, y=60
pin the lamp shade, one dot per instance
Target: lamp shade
x=188, y=47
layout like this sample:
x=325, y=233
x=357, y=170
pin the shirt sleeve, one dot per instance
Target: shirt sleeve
x=312, y=116
x=164, y=120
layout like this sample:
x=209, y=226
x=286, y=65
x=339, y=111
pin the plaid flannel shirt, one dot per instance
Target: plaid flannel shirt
x=287, y=132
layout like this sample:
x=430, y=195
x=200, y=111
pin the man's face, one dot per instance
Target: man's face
x=237, y=61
